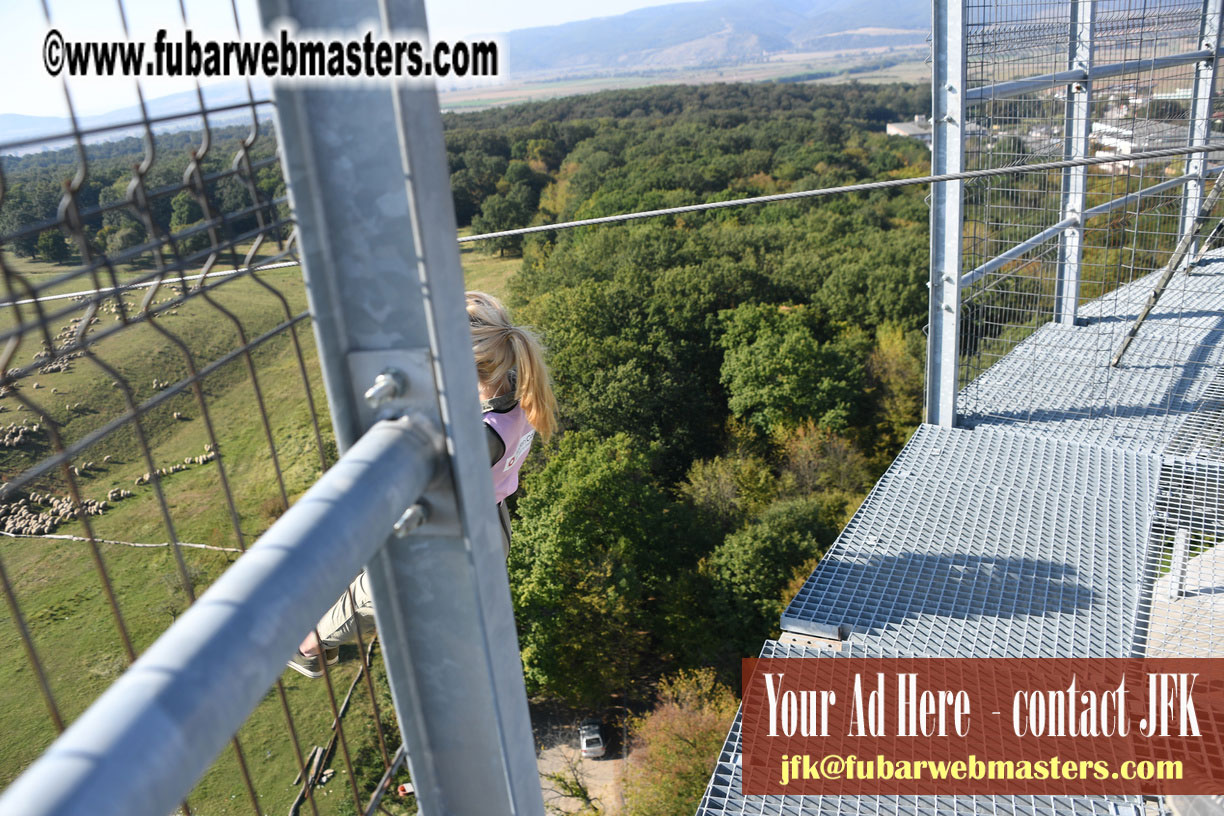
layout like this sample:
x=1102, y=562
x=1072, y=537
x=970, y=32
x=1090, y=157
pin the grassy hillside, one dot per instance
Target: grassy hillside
x=56, y=581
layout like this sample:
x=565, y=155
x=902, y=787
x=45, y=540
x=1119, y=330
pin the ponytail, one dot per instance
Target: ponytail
x=534, y=389
x=501, y=348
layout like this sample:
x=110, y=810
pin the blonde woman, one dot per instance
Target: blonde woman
x=517, y=403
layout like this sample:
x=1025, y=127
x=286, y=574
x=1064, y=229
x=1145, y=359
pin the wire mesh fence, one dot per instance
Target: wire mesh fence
x=1098, y=319
x=162, y=406
x=1140, y=93
x=1134, y=362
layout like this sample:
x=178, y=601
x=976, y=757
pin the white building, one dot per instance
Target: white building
x=919, y=129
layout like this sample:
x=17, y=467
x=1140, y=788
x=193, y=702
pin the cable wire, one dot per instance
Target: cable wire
x=1162, y=153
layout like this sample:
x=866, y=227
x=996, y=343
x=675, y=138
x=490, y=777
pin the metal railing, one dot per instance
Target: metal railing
x=388, y=297
x=1016, y=85
x=125, y=491
x=156, y=730
x=1085, y=304
x=170, y=280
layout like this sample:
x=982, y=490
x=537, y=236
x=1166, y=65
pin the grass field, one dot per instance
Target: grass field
x=56, y=582
x=483, y=271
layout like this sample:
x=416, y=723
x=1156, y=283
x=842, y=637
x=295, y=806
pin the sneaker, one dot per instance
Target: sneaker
x=310, y=665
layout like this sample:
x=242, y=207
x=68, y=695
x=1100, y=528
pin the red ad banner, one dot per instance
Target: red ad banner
x=904, y=726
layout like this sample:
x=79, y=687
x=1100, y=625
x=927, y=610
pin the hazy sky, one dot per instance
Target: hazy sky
x=23, y=29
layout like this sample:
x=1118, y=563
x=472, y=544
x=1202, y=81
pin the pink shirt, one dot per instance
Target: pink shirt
x=516, y=434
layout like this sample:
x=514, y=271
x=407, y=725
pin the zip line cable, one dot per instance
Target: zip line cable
x=1162, y=153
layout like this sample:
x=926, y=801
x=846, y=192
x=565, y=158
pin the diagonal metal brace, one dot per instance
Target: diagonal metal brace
x=1207, y=244
x=1179, y=254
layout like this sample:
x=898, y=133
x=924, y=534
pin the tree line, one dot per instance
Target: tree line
x=34, y=188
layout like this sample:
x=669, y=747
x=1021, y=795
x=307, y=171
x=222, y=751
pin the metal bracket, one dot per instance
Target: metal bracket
x=402, y=383
x=810, y=641
x=396, y=382
x=830, y=632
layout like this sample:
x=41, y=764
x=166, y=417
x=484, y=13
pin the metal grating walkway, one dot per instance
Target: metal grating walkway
x=989, y=543
x=1075, y=515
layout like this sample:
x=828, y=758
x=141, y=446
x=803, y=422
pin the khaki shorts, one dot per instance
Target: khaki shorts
x=356, y=608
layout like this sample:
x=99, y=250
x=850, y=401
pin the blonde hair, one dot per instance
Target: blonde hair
x=501, y=348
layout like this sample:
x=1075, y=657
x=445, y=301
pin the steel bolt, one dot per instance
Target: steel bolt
x=388, y=385
x=413, y=517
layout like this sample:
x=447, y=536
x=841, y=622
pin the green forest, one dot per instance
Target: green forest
x=34, y=186
x=730, y=383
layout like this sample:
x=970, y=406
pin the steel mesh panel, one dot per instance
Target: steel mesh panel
x=1182, y=614
x=989, y=543
x=1201, y=435
x=160, y=406
x=1164, y=398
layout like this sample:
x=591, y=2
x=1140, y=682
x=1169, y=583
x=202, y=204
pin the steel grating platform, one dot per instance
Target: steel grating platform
x=1074, y=514
x=989, y=543
x=1183, y=611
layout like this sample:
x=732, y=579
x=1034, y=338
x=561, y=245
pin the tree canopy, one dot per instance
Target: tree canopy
x=729, y=382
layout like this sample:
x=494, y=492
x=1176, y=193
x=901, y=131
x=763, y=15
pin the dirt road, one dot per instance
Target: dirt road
x=600, y=777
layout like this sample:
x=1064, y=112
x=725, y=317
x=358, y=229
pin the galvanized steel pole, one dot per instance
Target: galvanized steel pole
x=947, y=207
x=369, y=181
x=1201, y=109
x=1077, y=127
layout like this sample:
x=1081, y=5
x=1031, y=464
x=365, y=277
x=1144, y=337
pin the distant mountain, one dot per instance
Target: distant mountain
x=15, y=127
x=713, y=32
x=706, y=33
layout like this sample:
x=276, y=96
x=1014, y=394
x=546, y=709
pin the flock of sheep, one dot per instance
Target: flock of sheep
x=36, y=513
x=22, y=517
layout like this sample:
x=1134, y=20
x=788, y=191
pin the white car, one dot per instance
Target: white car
x=590, y=739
